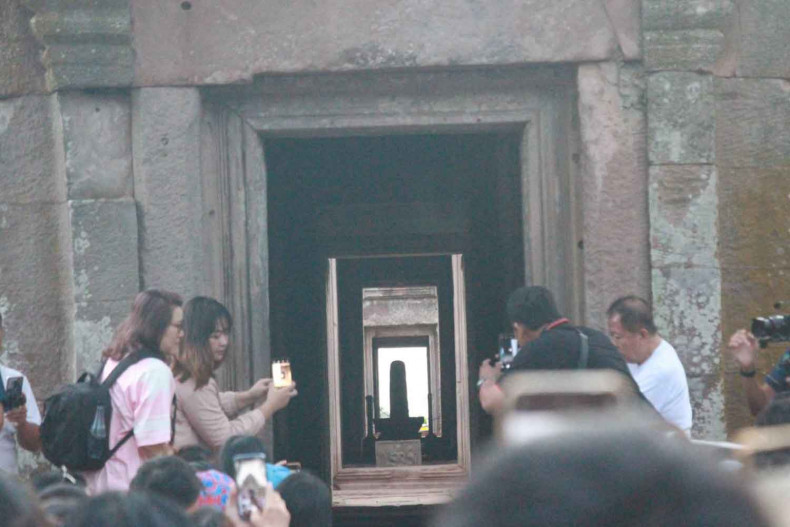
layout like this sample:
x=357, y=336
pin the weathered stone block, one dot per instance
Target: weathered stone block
x=680, y=118
x=30, y=151
x=21, y=71
x=755, y=225
x=626, y=21
x=684, y=209
x=752, y=122
x=167, y=187
x=104, y=241
x=690, y=50
x=615, y=186
x=35, y=276
x=685, y=14
x=707, y=406
x=764, y=39
x=97, y=132
x=687, y=310
x=94, y=327
x=218, y=43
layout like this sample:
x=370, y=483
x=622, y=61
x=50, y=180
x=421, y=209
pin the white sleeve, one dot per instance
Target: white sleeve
x=33, y=415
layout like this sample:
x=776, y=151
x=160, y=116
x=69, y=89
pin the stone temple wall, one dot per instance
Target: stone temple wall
x=683, y=111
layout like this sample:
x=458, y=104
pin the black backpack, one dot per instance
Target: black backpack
x=76, y=426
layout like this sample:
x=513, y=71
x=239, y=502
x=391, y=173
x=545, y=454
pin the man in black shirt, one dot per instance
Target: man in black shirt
x=547, y=341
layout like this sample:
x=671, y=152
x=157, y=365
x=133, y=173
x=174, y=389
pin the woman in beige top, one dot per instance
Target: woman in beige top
x=204, y=415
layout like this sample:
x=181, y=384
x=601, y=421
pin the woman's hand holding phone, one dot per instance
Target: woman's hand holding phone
x=277, y=399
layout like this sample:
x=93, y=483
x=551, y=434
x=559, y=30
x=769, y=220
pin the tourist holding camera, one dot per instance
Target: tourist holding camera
x=744, y=346
x=20, y=418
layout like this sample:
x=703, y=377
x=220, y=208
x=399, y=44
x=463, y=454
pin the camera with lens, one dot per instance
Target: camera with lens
x=772, y=328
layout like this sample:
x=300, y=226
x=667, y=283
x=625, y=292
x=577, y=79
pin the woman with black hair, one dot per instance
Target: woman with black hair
x=204, y=415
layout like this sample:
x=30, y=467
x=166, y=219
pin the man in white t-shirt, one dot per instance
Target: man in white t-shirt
x=18, y=424
x=653, y=362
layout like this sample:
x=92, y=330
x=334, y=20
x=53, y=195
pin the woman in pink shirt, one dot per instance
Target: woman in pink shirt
x=204, y=415
x=142, y=397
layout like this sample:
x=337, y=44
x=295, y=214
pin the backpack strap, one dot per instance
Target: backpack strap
x=584, y=351
x=132, y=358
x=120, y=443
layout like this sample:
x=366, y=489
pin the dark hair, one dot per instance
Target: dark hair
x=240, y=444
x=61, y=501
x=201, y=316
x=308, y=500
x=169, y=477
x=627, y=478
x=532, y=306
x=199, y=458
x=136, y=509
x=635, y=314
x=18, y=507
x=41, y=480
x=210, y=517
x=152, y=312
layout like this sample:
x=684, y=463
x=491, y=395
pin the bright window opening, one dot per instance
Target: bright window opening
x=415, y=360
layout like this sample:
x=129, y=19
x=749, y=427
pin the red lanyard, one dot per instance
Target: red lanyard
x=556, y=323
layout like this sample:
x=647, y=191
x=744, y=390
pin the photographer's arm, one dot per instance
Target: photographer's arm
x=743, y=347
x=27, y=433
x=491, y=396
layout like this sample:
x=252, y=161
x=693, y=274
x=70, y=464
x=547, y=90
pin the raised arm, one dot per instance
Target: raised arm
x=209, y=421
x=743, y=347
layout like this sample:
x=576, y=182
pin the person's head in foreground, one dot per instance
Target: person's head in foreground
x=18, y=507
x=169, y=477
x=136, y=509
x=308, y=499
x=629, y=478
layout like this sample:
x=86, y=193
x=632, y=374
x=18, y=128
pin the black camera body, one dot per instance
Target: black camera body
x=14, y=397
x=773, y=328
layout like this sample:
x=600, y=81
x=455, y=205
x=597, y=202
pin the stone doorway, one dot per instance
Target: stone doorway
x=258, y=141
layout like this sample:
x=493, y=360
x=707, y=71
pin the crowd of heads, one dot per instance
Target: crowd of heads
x=599, y=475
x=187, y=490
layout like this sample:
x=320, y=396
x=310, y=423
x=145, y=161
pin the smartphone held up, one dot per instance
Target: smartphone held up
x=281, y=374
x=250, y=482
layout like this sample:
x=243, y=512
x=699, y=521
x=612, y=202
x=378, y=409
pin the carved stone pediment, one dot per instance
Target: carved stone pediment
x=87, y=44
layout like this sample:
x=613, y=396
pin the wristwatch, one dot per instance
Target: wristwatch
x=748, y=374
x=482, y=381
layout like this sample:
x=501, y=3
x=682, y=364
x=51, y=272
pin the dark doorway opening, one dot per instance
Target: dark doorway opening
x=384, y=195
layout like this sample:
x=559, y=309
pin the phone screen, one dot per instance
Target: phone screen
x=250, y=482
x=281, y=374
x=14, y=384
